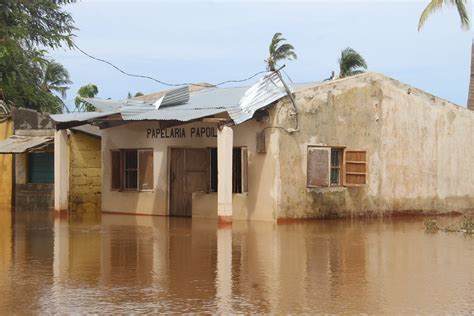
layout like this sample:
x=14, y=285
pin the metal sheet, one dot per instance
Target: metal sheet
x=79, y=116
x=178, y=115
x=239, y=102
x=19, y=144
x=88, y=129
x=173, y=97
x=266, y=91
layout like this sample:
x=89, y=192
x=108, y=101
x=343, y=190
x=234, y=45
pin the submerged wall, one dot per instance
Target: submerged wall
x=419, y=158
x=6, y=169
x=85, y=183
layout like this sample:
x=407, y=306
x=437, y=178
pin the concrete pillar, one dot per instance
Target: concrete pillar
x=225, y=138
x=61, y=171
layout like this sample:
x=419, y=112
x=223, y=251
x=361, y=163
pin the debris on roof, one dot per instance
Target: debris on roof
x=188, y=103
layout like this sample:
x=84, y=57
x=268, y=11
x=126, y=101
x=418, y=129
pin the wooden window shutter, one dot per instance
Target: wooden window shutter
x=355, y=168
x=116, y=170
x=244, y=169
x=145, y=170
x=318, y=168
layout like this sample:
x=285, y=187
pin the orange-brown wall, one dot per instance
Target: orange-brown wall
x=85, y=184
x=6, y=174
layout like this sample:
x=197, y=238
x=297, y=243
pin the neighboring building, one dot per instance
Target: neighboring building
x=364, y=145
x=30, y=178
x=6, y=164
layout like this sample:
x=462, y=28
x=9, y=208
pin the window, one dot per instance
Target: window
x=239, y=169
x=132, y=169
x=355, y=173
x=335, y=166
x=336, y=162
x=41, y=167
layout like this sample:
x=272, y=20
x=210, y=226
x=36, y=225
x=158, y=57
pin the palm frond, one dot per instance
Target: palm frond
x=436, y=5
x=350, y=63
x=463, y=15
x=55, y=78
x=433, y=6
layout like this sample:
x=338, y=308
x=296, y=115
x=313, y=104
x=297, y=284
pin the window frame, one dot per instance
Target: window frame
x=342, y=166
x=122, y=170
x=243, y=170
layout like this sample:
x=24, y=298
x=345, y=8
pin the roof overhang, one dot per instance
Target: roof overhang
x=19, y=144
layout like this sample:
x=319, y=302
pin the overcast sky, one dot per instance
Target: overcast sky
x=213, y=41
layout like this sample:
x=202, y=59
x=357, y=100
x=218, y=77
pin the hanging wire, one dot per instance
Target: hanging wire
x=164, y=82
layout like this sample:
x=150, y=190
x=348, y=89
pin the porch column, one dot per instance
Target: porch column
x=225, y=138
x=61, y=171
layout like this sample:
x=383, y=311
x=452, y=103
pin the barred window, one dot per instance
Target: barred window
x=132, y=169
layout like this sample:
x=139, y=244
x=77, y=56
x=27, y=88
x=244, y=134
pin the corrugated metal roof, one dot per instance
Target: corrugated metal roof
x=79, y=116
x=266, y=91
x=19, y=144
x=88, y=129
x=176, y=114
x=239, y=102
x=173, y=97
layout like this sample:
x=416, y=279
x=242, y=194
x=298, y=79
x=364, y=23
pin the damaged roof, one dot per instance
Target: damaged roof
x=19, y=144
x=185, y=104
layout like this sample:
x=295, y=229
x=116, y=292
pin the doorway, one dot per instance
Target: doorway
x=188, y=173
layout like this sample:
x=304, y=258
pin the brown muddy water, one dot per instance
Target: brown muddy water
x=128, y=264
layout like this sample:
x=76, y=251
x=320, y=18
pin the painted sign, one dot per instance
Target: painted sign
x=181, y=132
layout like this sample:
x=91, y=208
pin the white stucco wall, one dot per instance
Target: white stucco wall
x=258, y=204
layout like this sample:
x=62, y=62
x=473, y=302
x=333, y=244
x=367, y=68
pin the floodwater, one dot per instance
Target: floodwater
x=134, y=264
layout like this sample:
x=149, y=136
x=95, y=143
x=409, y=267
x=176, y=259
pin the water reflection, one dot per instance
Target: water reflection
x=158, y=264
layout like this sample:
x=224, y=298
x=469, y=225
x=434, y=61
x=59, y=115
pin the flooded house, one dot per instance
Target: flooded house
x=28, y=177
x=364, y=145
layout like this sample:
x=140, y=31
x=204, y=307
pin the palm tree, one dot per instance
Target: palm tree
x=351, y=63
x=88, y=91
x=55, y=78
x=436, y=5
x=279, y=50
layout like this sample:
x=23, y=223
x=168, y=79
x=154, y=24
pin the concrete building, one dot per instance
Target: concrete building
x=28, y=175
x=364, y=145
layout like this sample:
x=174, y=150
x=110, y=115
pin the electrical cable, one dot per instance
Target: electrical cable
x=163, y=82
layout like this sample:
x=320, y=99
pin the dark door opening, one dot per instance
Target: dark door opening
x=188, y=174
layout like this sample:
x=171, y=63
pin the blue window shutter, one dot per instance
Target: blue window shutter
x=41, y=168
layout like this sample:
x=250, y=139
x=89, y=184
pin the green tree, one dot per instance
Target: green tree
x=55, y=78
x=88, y=91
x=27, y=28
x=436, y=5
x=279, y=50
x=351, y=63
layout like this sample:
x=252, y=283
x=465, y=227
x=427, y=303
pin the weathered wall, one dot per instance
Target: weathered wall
x=34, y=197
x=31, y=196
x=26, y=119
x=85, y=183
x=6, y=169
x=258, y=203
x=419, y=159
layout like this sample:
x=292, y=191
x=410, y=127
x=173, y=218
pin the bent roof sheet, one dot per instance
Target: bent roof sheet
x=19, y=144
